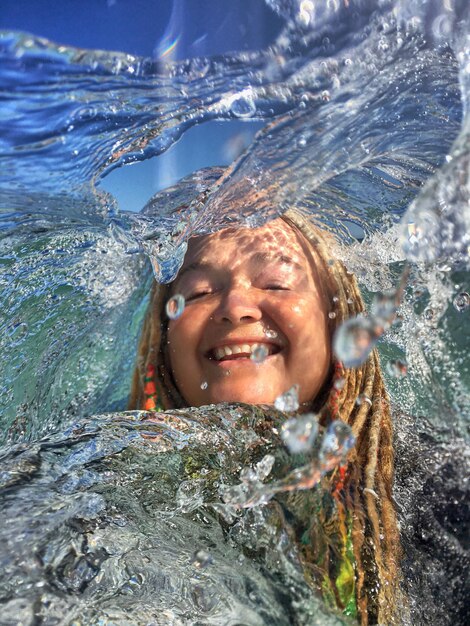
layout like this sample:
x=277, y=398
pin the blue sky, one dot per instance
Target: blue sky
x=145, y=28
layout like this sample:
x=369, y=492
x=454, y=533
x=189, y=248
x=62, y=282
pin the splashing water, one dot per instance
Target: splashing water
x=335, y=445
x=355, y=339
x=367, y=130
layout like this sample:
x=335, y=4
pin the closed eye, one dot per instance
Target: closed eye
x=198, y=294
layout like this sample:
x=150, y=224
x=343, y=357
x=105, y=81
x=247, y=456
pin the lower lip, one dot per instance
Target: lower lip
x=230, y=364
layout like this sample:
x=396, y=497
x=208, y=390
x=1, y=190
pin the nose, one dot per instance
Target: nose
x=236, y=307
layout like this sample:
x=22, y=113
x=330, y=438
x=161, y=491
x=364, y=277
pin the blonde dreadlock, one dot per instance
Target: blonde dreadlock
x=367, y=488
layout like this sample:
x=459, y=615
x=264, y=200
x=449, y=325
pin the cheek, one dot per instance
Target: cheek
x=184, y=336
x=303, y=314
x=308, y=327
x=178, y=335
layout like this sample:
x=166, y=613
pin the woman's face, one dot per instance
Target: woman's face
x=246, y=288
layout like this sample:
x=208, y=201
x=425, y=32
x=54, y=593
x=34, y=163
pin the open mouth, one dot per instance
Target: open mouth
x=232, y=352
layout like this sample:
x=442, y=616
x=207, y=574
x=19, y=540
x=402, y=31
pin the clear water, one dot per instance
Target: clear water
x=366, y=108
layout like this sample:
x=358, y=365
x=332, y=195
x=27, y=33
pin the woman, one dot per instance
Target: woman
x=278, y=290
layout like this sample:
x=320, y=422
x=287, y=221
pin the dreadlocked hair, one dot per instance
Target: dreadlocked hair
x=357, y=396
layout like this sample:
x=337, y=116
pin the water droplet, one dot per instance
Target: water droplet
x=263, y=468
x=259, y=354
x=421, y=239
x=204, y=385
x=332, y=315
x=337, y=442
x=383, y=45
x=301, y=141
x=335, y=299
x=175, y=306
x=306, y=12
x=299, y=433
x=339, y=383
x=354, y=340
x=289, y=400
x=270, y=334
x=243, y=106
x=361, y=398
x=396, y=368
x=201, y=559
x=462, y=301
x=384, y=307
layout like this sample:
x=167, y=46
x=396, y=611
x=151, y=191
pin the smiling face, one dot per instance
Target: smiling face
x=249, y=290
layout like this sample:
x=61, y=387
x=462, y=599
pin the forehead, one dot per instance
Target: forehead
x=235, y=246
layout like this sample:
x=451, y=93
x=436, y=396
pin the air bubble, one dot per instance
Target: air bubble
x=299, y=433
x=429, y=314
x=332, y=315
x=259, y=354
x=354, y=340
x=201, y=559
x=175, y=306
x=204, y=385
x=243, y=106
x=461, y=302
x=289, y=400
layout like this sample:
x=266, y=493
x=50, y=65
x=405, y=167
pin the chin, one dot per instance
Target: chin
x=247, y=396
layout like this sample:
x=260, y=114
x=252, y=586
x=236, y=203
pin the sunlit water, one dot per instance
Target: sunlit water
x=366, y=107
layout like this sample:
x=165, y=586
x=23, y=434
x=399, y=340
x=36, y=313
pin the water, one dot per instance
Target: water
x=366, y=109
x=94, y=535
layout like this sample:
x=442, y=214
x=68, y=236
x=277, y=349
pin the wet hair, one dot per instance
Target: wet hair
x=366, y=491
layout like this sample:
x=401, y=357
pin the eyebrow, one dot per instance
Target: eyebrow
x=197, y=265
x=284, y=259
x=258, y=257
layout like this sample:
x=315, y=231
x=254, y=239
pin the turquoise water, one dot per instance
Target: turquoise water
x=365, y=107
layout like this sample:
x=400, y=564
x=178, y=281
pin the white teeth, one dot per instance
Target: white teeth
x=244, y=348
